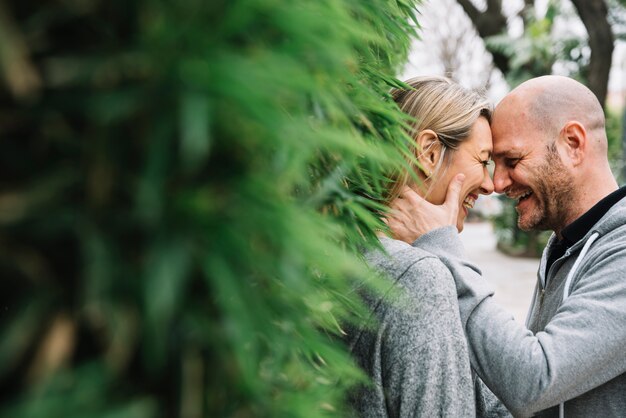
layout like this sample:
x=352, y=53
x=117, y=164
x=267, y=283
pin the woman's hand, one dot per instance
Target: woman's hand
x=411, y=216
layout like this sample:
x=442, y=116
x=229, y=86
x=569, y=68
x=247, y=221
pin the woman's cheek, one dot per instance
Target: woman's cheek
x=474, y=177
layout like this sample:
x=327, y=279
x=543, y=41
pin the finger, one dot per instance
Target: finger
x=391, y=216
x=398, y=204
x=410, y=195
x=402, y=208
x=406, y=191
x=454, y=190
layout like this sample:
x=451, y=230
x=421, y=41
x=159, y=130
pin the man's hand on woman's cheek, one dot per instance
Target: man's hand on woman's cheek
x=411, y=216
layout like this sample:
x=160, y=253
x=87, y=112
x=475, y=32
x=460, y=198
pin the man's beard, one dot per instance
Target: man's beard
x=553, y=194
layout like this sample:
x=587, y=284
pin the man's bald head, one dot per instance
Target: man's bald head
x=550, y=150
x=549, y=102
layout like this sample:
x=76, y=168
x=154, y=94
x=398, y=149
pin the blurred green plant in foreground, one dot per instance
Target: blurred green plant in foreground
x=181, y=201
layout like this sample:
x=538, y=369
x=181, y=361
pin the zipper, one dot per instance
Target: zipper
x=556, y=265
x=568, y=281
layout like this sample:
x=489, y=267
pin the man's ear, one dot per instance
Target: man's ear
x=573, y=138
x=429, y=150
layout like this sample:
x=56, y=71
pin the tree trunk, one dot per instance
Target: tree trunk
x=593, y=14
x=489, y=23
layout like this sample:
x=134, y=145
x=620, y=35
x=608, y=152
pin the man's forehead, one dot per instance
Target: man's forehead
x=507, y=145
x=512, y=135
x=512, y=111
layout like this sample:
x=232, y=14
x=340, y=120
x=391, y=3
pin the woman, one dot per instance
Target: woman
x=415, y=351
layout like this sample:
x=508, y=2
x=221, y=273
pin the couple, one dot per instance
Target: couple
x=438, y=324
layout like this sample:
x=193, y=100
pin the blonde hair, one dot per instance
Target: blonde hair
x=443, y=106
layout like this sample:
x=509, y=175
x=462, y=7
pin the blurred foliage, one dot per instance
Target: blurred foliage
x=617, y=17
x=539, y=47
x=181, y=201
x=614, y=134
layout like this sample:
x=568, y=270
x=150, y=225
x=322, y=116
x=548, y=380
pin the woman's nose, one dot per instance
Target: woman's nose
x=486, y=187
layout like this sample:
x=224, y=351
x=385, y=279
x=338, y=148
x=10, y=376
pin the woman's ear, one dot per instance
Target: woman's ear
x=428, y=150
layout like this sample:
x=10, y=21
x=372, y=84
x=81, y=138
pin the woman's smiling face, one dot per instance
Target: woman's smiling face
x=470, y=158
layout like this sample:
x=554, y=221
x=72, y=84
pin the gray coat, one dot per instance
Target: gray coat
x=414, y=350
x=572, y=349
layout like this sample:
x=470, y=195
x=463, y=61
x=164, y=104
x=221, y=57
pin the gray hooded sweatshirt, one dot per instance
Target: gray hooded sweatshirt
x=414, y=350
x=572, y=348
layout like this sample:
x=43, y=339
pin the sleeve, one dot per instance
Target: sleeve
x=487, y=404
x=581, y=348
x=425, y=362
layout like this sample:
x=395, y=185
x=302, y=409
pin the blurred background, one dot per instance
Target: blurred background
x=185, y=187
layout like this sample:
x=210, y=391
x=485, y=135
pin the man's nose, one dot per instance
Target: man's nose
x=501, y=180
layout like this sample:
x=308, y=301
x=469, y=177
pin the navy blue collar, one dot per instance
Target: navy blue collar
x=577, y=230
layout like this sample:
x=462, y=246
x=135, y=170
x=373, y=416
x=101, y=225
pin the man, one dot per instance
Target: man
x=550, y=151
